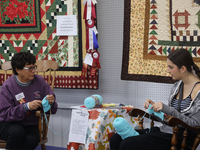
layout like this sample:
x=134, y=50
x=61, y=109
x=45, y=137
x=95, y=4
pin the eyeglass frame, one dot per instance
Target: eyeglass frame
x=31, y=68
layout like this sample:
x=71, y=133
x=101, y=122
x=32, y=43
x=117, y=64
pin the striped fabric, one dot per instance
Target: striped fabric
x=184, y=103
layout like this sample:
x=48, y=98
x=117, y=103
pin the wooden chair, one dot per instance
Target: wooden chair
x=6, y=66
x=170, y=121
x=47, y=65
x=42, y=67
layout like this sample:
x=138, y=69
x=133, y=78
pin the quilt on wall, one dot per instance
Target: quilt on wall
x=30, y=25
x=154, y=28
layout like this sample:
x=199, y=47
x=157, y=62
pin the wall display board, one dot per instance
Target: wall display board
x=32, y=25
x=154, y=28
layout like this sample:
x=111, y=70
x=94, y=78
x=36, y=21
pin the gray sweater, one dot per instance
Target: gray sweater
x=190, y=115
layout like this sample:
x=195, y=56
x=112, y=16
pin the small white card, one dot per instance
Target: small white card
x=88, y=59
x=66, y=25
x=19, y=96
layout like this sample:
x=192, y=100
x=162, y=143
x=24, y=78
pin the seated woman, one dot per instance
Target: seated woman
x=181, y=67
x=20, y=96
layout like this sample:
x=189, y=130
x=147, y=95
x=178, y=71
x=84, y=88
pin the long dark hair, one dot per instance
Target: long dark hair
x=182, y=57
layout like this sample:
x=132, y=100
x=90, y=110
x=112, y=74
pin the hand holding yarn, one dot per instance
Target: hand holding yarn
x=51, y=99
x=159, y=114
x=93, y=101
x=45, y=104
x=123, y=128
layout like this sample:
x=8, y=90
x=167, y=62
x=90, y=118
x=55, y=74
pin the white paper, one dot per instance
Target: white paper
x=88, y=59
x=78, y=126
x=66, y=25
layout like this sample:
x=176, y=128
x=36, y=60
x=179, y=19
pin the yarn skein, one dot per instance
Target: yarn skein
x=123, y=128
x=93, y=101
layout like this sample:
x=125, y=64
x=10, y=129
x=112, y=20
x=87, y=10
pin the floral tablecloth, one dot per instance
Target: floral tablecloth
x=100, y=128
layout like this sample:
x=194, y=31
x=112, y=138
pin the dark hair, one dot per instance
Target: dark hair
x=19, y=60
x=182, y=57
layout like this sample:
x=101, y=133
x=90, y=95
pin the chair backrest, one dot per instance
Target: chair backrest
x=44, y=66
x=6, y=66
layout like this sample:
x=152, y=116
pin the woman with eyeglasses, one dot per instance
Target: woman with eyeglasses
x=20, y=96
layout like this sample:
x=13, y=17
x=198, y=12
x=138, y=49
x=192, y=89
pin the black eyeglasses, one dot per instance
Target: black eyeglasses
x=31, y=68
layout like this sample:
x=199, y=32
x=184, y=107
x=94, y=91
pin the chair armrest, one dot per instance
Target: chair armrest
x=173, y=121
x=40, y=113
x=134, y=112
x=42, y=126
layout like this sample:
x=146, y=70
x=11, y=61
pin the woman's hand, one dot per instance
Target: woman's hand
x=147, y=102
x=157, y=106
x=33, y=105
x=51, y=99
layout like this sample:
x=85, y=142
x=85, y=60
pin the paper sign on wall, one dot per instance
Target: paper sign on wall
x=66, y=25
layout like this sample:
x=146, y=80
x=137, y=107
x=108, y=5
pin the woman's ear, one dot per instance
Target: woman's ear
x=17, y=70
x=183, y=69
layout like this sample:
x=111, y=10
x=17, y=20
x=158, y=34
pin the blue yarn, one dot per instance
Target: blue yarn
x=93, y=101
x=46, y=107
x=123, y=128
x=46, y=120
x=45, y=104
x=159, y=114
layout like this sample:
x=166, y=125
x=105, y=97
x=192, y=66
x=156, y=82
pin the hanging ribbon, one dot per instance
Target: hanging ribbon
x=93, y=11
x=91, y=45
x=89, y=10
x=90, y=23
x=91, y=39
x=84, y=70
x=95, y=42
x=95, y=56
x=91, y=59
x=95, y=64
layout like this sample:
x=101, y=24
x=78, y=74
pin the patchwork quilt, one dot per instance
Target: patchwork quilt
x=153, y=29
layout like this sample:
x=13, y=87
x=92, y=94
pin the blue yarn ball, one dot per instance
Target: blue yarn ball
x=90, y=102
x=123, y=128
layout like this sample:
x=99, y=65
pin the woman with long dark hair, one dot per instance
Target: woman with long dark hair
x=187, y=88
